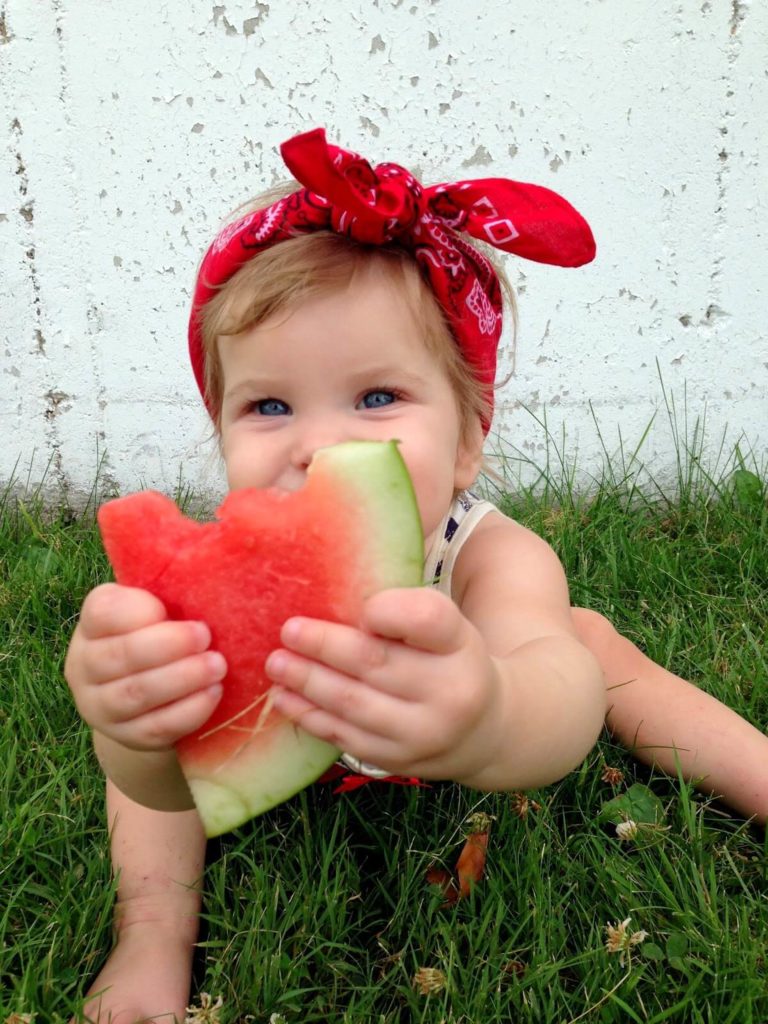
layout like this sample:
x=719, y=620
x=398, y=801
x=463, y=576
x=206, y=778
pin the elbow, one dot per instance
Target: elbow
x=568, y=721
x=583, y=678
x=579, y=728
x=554, y=708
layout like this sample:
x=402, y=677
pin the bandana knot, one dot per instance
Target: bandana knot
x=372, y=205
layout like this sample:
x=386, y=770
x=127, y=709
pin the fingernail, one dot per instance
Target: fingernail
x=290, y=631
x=203, y=634
x=275, y=664
x=217, y=665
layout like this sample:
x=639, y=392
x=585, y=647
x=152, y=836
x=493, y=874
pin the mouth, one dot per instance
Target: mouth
x=284, y=489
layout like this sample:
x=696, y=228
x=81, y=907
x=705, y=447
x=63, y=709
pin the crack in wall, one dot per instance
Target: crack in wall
x=52, y=396
x=5, y=33
x=63, y=72
x=27, y=211
x=54, y=400
x=739, y=9
x=733, y=48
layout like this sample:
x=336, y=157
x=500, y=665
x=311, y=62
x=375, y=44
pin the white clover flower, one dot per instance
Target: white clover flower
x=206, y=1013
x=620, y=940
x=428, y=980
x=626, y=830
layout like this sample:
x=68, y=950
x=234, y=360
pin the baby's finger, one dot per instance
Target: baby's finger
x=389, y=667
x=112, y=609
x=155, y=646
x=290, y=705
x=342, y=647
x=420, y=617
x=342, y=696
x=161, y=728
x=339, y=733
x=139, y=695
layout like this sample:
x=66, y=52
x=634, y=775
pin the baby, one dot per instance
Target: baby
x=355, y=308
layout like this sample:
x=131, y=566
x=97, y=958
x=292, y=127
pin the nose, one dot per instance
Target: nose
x=318, y=432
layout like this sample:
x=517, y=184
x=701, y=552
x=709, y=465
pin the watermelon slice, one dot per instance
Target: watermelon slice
x=352, y=530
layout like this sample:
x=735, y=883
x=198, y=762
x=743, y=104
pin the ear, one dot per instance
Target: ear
x=469, y=457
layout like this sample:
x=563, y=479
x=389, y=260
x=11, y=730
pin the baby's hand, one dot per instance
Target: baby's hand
x=138, y=677
x=414, y=691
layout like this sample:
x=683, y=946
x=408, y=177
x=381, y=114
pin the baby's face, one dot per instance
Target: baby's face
x=348, y=365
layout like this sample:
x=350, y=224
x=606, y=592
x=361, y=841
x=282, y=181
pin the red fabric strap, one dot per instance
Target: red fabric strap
x=354, y=780
x=385, y=204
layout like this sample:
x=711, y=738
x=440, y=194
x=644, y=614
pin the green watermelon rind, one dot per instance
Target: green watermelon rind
x=225, y=805
x=374, y=474
x=377, y=471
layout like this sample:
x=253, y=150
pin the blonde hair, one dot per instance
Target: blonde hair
x=320, y=262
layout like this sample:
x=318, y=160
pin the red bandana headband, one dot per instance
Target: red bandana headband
x=383, y=204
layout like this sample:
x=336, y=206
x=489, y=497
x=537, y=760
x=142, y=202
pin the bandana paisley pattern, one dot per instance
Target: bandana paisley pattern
x=386, y=205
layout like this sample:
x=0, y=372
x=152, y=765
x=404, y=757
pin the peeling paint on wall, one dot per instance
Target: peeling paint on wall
x=135, y=131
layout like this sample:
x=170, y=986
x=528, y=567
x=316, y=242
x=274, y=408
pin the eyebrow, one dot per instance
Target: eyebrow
x=384, y=373
x=246, y=387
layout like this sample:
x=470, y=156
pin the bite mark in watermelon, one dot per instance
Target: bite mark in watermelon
x=352, y=530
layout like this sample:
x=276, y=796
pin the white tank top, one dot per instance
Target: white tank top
x=458, y=523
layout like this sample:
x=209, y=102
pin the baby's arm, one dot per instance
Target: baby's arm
x=492, y=688
x=671, y=724
x=511, y=586
x=142, y=681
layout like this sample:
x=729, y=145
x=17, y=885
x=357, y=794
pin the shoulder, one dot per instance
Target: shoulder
x=508, y=576
x=501, y=549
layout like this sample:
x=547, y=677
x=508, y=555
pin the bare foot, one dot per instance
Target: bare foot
x=146, y=980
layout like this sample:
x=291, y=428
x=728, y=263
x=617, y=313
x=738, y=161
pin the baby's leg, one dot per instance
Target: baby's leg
x=664, y=720
x=160, y=857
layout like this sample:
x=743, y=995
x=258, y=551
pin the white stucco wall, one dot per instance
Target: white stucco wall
x=130, y=130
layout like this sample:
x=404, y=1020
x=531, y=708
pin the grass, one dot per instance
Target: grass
x=319, y=910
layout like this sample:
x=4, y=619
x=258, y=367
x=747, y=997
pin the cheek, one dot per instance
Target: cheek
x=235, y=462
x=253, y=460
x=234, y=476
x=432, y=476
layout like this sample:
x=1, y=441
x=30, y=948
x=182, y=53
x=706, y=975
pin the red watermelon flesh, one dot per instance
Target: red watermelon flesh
x=353, y=529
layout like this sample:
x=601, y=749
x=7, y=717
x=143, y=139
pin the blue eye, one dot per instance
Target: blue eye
x=378, y=398
x=271, y=407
